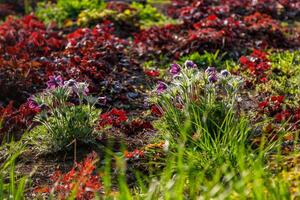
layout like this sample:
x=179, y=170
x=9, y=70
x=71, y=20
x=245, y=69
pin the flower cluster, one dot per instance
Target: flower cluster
x=189, y=84
x=80, y=179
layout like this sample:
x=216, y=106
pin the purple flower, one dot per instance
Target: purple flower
x=175, y=69
x=211, y=70
x=190, y=64
x=32, y=104
x=212, y=78
x=225, y=73
x=161, y=87
x=54, y=82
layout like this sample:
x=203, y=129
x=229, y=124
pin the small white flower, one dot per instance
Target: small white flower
x=166, y=146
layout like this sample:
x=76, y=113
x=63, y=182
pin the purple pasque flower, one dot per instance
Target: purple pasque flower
x=225, y=73
x=212, y=78
x=161, y=87
x=175, y=69
x=32, y=104
x=190, y=64
x=54, y=82
x=211, y=70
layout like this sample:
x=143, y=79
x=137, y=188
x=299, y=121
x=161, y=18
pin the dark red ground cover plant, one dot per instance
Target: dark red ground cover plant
x=152, y=73
x=100, y=58
x=232, y=33
x=193, y=10
x=137, y=126
x=276, y=108
x=15, y=121
x=93, y=52
x=28, y=37
x=156, y=111
x=228, y=25
x=6, y=9
x=95, y=56
x=257, y=66
x=113, y=118
x=24, y=43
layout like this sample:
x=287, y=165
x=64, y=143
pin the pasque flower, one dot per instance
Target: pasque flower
x=212, y=78
x=190, y=64
x=54, y=82
x=161, y=87
x=211, y=70
x=32, y=104
x=175, y=69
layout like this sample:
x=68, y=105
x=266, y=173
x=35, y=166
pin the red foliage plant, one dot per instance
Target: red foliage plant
x=15, y=121
x=193, y=9
x=137, y=126
x=112, y=118
x=80, y=179
x=152, y=73
x=134, y=154
x=27, y=37
x=275, y=107
x=23, y=44
x=257, y=64
x=156, y=111
x=209, y=25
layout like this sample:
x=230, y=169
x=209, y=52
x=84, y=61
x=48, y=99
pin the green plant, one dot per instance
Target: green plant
x=12, y=186
x=65, y=9
x=207, y=59
x=15, y=189
x=136, y=15
x=149, y=16
x=61, y=122
x=285, y=74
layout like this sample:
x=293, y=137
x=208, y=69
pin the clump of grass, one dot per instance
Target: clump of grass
x=12, y=186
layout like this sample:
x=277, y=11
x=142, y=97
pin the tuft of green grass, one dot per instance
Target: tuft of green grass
x=12, y=186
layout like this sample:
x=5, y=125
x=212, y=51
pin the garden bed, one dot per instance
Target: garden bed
x=193, y=99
